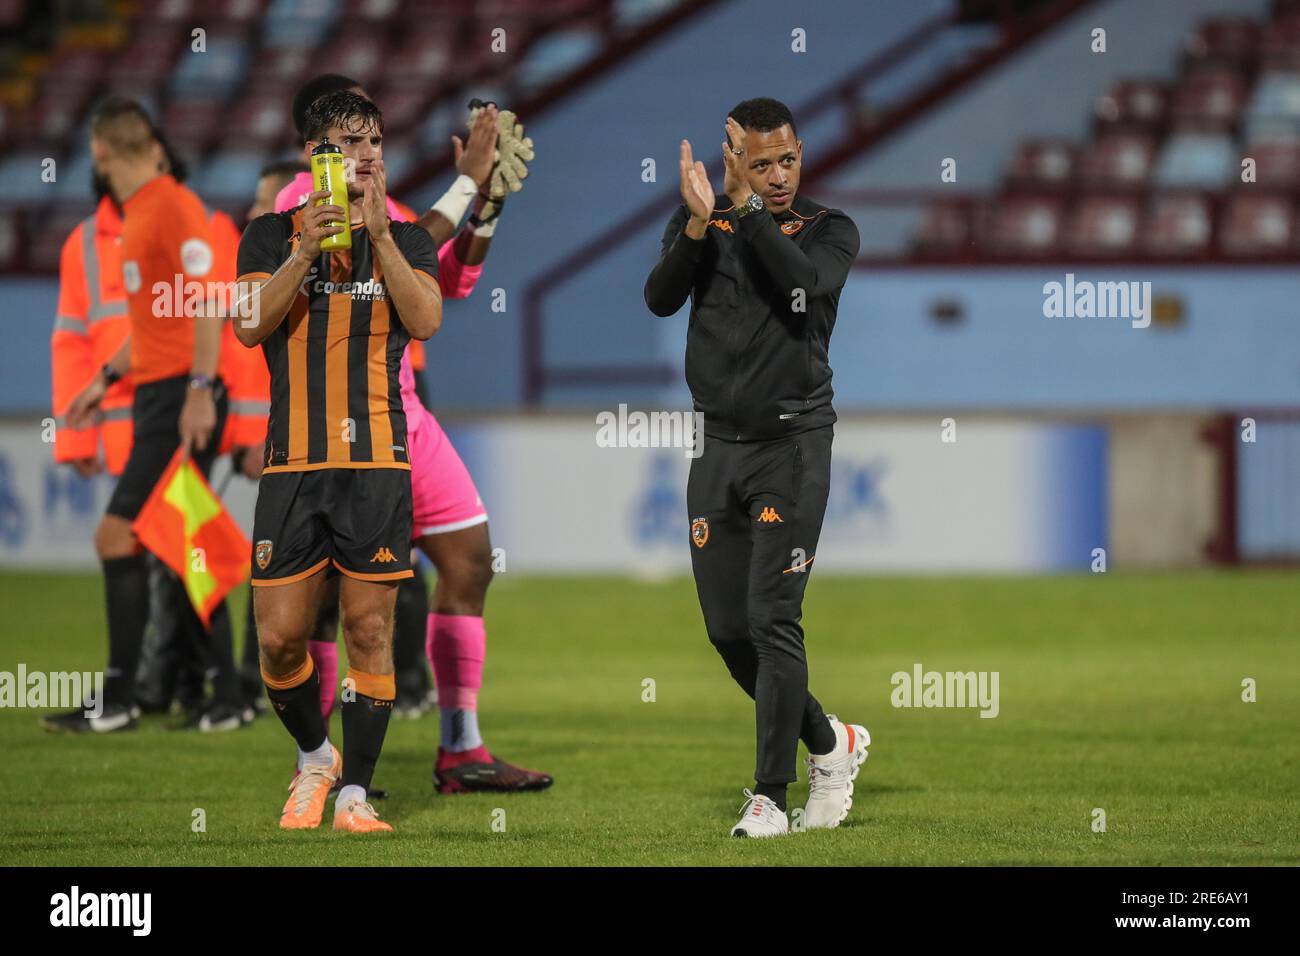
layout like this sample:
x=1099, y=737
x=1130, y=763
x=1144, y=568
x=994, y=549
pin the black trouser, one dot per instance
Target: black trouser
x=756, y=513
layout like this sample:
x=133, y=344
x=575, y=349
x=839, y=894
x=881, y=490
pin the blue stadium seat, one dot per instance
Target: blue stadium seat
x=1274, y=109
x=298, y=23
x=229, y=177
x=1204, y=160
x=215, y=72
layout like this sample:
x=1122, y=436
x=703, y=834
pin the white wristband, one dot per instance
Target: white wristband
x=455, y=201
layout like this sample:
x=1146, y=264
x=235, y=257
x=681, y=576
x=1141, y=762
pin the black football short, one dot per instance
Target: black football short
x=155, y=424
x=356, y=519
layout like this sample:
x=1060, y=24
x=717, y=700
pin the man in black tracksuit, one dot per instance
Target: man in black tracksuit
x=763, y=269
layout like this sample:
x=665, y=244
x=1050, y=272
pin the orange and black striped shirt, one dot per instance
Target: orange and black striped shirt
x=334, y=361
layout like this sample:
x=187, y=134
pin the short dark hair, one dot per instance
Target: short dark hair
x=313, y=90
x=179, y=169
x=763, y=114
x=123, y=124
x=343, y=109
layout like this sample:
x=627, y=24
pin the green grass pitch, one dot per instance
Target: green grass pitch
x=1119, y=692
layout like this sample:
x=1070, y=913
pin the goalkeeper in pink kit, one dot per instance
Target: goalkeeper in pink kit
x=450, y=521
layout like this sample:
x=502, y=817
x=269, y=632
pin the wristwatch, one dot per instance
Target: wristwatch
x=753, y=204
x=200, y=381
x=111, y=375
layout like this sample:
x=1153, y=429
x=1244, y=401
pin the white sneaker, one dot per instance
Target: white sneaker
x=830, y=776
x=760, y=817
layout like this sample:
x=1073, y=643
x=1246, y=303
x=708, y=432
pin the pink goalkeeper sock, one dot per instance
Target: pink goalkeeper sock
x=325, y=655
x=456, y=645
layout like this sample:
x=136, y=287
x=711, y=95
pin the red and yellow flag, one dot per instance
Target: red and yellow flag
x=185, y=524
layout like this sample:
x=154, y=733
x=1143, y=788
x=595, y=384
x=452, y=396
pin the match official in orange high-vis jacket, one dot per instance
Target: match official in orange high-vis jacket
x=244, y=370
x=90, y=326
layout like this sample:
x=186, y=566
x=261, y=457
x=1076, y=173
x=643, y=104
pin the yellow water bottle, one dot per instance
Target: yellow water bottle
x=327, y=173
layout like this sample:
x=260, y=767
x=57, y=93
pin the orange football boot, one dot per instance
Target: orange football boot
x=357, y=816
x=307, y=792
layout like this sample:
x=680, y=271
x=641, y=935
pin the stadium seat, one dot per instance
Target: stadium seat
x=1134, y=106
x=78, y=65
x=229, y=177
x=1277, y=163
x=299, y=23
x=46, y=243
x=262, y=120
x=193, y=125
x=1025, y=226
x=1279, y=47
x=1042, y=164
x=1258, y=225
x=147, y=59
x=54, y=116
x=1103, y=225
x=74, y=183
x=1224, y=41
x=1274, y=108
x=215, y=73
x=947, y=230
x=284, y=69
x=1117, y=160
x=1209, y=100
x=1194, y=159
x=9, y=238
x=1177, y=225
x=359, y=54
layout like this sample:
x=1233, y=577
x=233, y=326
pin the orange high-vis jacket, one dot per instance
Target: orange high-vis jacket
x=414, y=349
x=90, y=326
x=244, y=370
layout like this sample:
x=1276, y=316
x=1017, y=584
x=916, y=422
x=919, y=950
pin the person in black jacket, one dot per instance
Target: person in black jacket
x=763, y=268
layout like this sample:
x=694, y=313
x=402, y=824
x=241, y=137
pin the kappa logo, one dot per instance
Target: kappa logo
x=791, y=227
x=263, y=554
x=723, y=224
x=383, y=556
x=699, y=532
x=769, y=516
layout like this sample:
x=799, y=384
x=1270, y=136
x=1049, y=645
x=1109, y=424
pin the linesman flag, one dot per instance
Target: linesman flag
x=185, y=524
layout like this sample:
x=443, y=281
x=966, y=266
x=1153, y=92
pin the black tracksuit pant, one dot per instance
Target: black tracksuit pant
x=756, y=513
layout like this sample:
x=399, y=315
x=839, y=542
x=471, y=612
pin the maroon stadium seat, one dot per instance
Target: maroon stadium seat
x=1042, y=164
x=1226, y=41
x=1277, y=163
x=1258, y=224
x=1025, y=226
x=359, y=53
x=193, y=125
x=1209, y=100
x=77, y=65
x=1103, y=225
x=285, y=69
x=1279, y=47
x=946, y=229
x=1134, y=105
x=55, y=115
x=262, y=120
x=1118, y=159
x=148, y=57
x=1177, y=225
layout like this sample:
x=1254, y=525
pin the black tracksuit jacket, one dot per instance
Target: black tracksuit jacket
x=757, y=366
